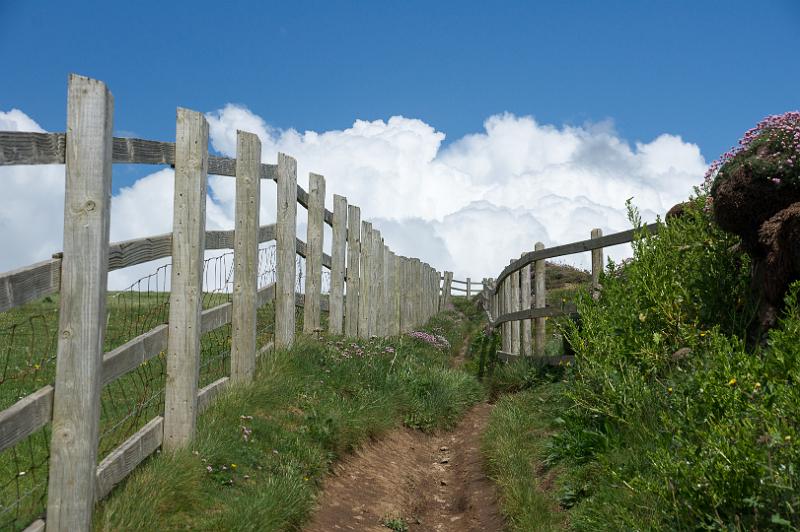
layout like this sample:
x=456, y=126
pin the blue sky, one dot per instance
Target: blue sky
x=706, y=70
x=642, y=94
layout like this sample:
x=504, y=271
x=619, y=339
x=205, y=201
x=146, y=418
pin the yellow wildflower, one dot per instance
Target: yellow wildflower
x=732, y=382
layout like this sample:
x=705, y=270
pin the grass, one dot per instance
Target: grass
x=515, y=445
x=262, y=450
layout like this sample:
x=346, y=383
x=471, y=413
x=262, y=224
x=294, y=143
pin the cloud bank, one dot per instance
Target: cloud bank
x=468, y=206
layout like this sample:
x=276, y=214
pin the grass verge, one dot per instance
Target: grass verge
x=263, y=449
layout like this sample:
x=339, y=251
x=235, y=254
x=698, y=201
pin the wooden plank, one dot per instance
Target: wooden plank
x=597, y=264
x=82, y=314
x=540, y=302
x=207, y=394
x=29, y=283
x=23, y=147
x=36, y=526
x=133, y=353
x=515, y=325
x=576, y=247
x=139, y=151
x=137, y=251
x=525, y=303
x=338, y=253
x=185, y=304
x=531, y=313
x=245, y=257
x=395, y=287
x=315, y=240
x=215, y=317
x=285, y=251
x=353, y=269
x=25, y=417
x=376, y=274
x=506, y=309
x=365, y=283
x=123, y=460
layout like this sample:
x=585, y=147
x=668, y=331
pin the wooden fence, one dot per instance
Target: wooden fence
x=507, y=299
x=373, y=291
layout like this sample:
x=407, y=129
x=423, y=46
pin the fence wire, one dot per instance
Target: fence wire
x=265, y=316
x=129, y=402
x=28, y=343
x=215, y=345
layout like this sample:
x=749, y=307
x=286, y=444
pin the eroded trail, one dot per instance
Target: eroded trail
x=434, y=483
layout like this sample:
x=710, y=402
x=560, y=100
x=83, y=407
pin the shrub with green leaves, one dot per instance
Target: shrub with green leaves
x=676, y=422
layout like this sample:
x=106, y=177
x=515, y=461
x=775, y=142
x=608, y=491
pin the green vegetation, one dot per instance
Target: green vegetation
x=262, y=450
x=672, y=418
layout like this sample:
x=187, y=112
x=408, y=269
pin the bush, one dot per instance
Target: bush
x=675, y=422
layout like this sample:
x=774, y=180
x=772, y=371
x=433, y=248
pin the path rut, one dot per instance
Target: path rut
x=433, y=482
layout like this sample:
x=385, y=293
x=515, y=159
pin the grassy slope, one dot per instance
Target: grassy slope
x=262, y=450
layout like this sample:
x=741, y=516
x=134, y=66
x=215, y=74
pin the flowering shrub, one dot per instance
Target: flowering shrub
x=436, y=340
x=772, y=149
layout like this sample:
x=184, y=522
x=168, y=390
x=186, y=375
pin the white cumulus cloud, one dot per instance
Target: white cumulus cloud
x=469, y=206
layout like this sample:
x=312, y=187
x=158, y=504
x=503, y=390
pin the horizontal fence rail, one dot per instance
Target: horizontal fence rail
x=622, y=237
x=507, y=300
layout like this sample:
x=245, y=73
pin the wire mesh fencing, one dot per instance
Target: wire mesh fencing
x=129, y=402
x=28, y=343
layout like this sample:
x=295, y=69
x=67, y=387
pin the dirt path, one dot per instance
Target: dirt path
x=434, y=483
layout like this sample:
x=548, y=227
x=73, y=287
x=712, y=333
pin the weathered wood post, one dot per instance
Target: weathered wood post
x=376, y=276
x=285, y=251
x=405, y=295
x=469, y=287
x=245, y=257
x=314, y=246
x=353, y=269
x=386, y=293
x=447, y=289
x=525, y=304
x=416, y=267
x=338, y=252
x=366, y=280
x=541, y=302
x=597, y=265
x=394, y=282
x=186, y=289
x=386, y=305
x=515, y=306
x=506, y=308
x=81, y=329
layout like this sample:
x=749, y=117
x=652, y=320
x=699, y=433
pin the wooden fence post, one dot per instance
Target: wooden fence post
x=338, y=252
x=448, y=293
x=377, y=283
x=186, y=288
x=525, y=303
x=469, y=287
x=506, y=308
x=405, y=296
x=415, y=287
x=314, y=246
x=386, y=304
x=366, y=280
x=84, y=268
x=394, y=282
x=541, y=302
x=245, y=257
x=285, y=251
x=597, y=265
x=353, y=269
x=515, y=325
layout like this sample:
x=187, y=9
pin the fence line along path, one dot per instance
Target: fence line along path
x=214, y=327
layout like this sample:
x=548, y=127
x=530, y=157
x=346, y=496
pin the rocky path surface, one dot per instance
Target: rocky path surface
x=433, y=483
